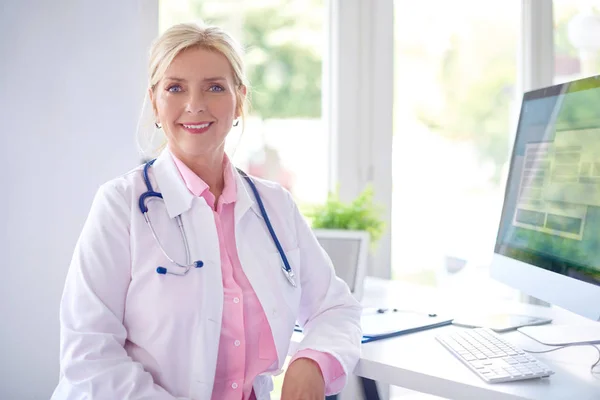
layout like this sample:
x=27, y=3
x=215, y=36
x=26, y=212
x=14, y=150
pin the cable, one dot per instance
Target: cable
x=570, y=345
x=597, y=361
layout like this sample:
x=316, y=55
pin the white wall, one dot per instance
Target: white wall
x=72, y=79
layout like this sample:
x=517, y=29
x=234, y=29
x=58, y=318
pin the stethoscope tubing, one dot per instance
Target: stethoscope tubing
x=286, y=265
x=151, y=193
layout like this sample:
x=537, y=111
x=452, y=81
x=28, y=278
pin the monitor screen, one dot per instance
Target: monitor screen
x=551, y=214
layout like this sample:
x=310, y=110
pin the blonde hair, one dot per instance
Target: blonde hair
x=189, y=35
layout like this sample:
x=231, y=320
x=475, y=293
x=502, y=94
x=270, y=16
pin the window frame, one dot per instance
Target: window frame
x=358, y=96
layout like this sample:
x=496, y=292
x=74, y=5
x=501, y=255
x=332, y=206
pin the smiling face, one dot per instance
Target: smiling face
x=196, y=102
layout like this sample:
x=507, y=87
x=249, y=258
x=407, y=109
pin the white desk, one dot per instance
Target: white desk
x=418, y=362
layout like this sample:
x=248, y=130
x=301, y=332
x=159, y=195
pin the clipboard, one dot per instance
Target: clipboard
x=386, y=323
x=379, y=324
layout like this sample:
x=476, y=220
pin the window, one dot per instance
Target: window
x=284, y=139
x=576, y=39
x=455, y=78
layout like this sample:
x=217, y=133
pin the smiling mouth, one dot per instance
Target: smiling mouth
x=197, y=128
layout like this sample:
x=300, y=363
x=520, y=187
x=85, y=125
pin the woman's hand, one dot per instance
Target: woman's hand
x=303, y=381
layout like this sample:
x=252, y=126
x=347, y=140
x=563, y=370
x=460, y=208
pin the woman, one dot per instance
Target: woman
x=137, y=325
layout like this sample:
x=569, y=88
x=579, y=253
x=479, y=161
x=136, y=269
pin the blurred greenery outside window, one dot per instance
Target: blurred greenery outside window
x=456, y=106
x=284, y=138
x=568, y=62
x=455, y=113
x=455, y=96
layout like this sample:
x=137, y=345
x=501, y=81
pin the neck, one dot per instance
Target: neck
x=209, y=168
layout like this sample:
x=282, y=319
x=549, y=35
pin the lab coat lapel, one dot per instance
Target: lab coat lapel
x=251, y=248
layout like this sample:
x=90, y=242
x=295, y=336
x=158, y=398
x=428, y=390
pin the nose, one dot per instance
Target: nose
x=196, y=103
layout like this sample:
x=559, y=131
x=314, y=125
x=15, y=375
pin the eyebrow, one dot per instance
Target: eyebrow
x=213, y=78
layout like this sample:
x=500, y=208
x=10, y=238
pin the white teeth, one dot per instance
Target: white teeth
x=201, y=126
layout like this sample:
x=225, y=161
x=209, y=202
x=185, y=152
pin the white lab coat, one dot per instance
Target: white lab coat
x=130, y=333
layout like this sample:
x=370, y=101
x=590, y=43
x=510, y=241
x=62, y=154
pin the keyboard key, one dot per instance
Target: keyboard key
x=477, y=364
x=537, y=370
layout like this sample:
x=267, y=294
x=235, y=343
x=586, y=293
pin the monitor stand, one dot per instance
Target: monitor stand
x=563, y=335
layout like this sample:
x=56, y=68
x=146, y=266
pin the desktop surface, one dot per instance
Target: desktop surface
x=418, y=362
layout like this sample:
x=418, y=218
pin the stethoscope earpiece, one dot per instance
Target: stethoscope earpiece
x=161, y=270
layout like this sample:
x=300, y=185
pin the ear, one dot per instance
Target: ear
x=242, y=92
x=153, y=102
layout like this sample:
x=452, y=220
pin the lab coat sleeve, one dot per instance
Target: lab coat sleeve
x=93, y=360
x=328, y=314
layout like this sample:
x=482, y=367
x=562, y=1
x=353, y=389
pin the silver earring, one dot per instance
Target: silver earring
x=236, y=123
x=157, y=125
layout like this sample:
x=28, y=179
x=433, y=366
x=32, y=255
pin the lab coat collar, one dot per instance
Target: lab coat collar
x=176, y=195
x=245, y=197
x=178, y=199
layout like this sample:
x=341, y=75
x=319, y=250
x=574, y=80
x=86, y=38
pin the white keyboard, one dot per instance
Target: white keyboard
x=492, y=357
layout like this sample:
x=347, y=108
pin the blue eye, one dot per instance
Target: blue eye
x=216, y=88
x=174, y=89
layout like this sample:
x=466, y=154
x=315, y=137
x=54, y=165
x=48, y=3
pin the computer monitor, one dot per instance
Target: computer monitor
x=548, y=242
x=348, y=251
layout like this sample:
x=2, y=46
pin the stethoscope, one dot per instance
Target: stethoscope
x=183, y=269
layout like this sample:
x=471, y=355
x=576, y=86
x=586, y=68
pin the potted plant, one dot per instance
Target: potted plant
x=347, y=231
x=361, y=214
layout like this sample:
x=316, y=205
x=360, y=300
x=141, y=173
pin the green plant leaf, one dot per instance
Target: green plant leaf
x=360, y=214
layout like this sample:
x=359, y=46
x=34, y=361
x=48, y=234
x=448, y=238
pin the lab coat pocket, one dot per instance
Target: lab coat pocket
x=285, y=290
